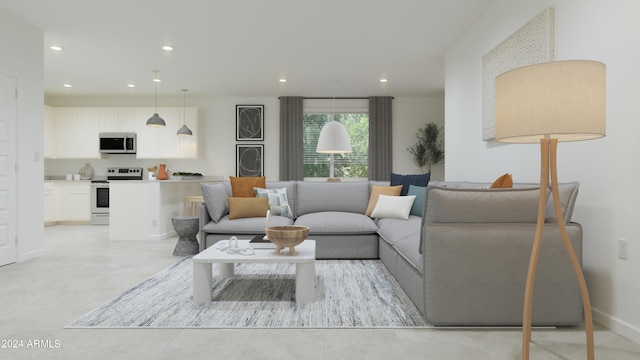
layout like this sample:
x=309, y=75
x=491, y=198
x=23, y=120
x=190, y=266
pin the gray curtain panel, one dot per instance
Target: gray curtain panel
x=291, y=144
x=380, y=146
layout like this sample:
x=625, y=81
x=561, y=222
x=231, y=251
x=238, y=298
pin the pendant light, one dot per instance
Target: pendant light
x=184, y=130
x=334, y=138
x=156, y=120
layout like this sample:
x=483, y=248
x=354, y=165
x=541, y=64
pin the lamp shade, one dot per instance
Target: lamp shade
x=333, y=139
x=563, y=100
x=156, y=120
x=185, y=131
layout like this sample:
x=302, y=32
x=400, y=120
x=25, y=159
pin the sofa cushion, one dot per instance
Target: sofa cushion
x=568, y=194
x=243, y=186
x=335, y=222
x=376, y=191
x=404, y=237
x=396, y=207
x=313, y=197
x=450, y=205
x=278, y=200
x=406, y=180
x=254, y=225
x=245, y=207
x=393, y=230
x=215, y=200
x=445, y=205
x=418, y=205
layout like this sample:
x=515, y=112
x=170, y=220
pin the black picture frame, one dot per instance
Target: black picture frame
x=249, y=160
x=250, y=122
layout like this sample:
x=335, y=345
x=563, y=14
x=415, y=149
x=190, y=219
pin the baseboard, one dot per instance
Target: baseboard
x=619, y=326
x=65, y=222
x=31, y=255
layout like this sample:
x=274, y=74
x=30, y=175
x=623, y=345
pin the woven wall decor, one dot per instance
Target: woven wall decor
x=531, y=44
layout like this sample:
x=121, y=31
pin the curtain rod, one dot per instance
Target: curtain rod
x=331, y=98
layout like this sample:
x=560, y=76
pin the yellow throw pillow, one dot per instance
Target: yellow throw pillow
x=244, y=207
x=503, y=182
x=243, y=186
x=376, y=191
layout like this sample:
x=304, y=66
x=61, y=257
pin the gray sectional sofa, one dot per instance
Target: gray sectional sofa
x=463, y=262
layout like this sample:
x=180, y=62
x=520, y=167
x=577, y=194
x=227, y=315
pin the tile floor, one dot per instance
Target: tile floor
x=83, y=269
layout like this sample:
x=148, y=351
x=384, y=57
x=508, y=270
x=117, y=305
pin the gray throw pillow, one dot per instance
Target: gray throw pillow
x=215, y=199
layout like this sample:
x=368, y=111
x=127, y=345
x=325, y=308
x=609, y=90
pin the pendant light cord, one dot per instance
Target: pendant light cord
x=184, y=106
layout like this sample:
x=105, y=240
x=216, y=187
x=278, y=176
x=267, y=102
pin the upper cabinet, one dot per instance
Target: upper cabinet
x=73, y=133
x=164, y=142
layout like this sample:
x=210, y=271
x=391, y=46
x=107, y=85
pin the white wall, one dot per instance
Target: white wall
x=217, y=132
x=409, y=115
x=607, y=206
x=22, y=57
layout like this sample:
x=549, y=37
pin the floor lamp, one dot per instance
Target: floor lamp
x=550, y=103
x=333, y=139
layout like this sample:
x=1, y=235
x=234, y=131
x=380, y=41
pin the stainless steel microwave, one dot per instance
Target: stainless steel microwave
x=118, y=143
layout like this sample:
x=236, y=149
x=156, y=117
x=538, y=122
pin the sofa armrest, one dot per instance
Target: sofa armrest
x=475, y=274
x=205, y=218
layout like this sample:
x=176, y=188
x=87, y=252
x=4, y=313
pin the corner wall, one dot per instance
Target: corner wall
x=607, y=206
x=22, y=56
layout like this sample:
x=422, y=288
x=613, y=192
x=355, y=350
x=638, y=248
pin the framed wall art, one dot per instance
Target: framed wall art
x=531, y=44
x=249, y=160
x=250, y=122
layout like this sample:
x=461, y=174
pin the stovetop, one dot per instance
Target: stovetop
x=124, y=173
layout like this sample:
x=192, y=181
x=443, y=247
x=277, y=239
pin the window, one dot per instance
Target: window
x=348, y=165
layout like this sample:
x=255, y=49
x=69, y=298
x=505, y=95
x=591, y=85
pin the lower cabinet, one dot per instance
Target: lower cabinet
x=67, y=201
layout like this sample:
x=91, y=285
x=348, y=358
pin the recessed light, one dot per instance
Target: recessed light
x=131, y=85
x=283, y=80
x=67, y=85
x=167, y=47
x=383, y=80
x=56, y=47
x=157, y=80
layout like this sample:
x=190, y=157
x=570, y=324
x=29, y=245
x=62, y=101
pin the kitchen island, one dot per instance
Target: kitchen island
x=142, y=210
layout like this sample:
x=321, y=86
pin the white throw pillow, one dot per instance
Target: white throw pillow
x=395, y=207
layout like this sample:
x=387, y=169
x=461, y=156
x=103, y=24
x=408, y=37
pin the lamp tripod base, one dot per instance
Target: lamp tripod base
x=548, y=151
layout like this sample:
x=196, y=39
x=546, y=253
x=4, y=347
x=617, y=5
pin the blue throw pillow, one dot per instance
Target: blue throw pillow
x=418, y=204
x=406, y=180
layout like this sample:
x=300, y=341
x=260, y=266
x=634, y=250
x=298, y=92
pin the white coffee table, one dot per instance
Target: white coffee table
x=305, y=261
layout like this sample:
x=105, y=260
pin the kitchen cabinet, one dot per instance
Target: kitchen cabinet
x=50, y=203
x=72, y=133
x=76, y=201
x=142, y=210
x=67, y=202
x=164, y=143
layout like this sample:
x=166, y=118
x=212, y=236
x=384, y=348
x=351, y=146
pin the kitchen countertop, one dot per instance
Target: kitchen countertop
x=55, y=178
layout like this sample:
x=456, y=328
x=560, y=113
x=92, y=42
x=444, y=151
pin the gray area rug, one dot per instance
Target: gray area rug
x=349, y=293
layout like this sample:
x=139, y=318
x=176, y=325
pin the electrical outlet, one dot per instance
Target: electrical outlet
x=623, y=249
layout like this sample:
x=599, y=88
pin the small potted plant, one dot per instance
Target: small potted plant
x=429, y=148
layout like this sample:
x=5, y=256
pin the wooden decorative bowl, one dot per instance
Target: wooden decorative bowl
x=287, y=236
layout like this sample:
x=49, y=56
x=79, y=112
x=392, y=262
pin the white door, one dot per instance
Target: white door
x=8, y=193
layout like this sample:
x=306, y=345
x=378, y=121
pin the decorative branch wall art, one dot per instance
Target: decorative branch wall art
x=250, y=122
x=249, y=160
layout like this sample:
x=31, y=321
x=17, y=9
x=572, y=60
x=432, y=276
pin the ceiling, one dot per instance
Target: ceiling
x=243, y=47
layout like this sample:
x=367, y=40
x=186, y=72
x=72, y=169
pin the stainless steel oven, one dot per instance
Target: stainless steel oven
x=100, y=202
x=100, y=192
